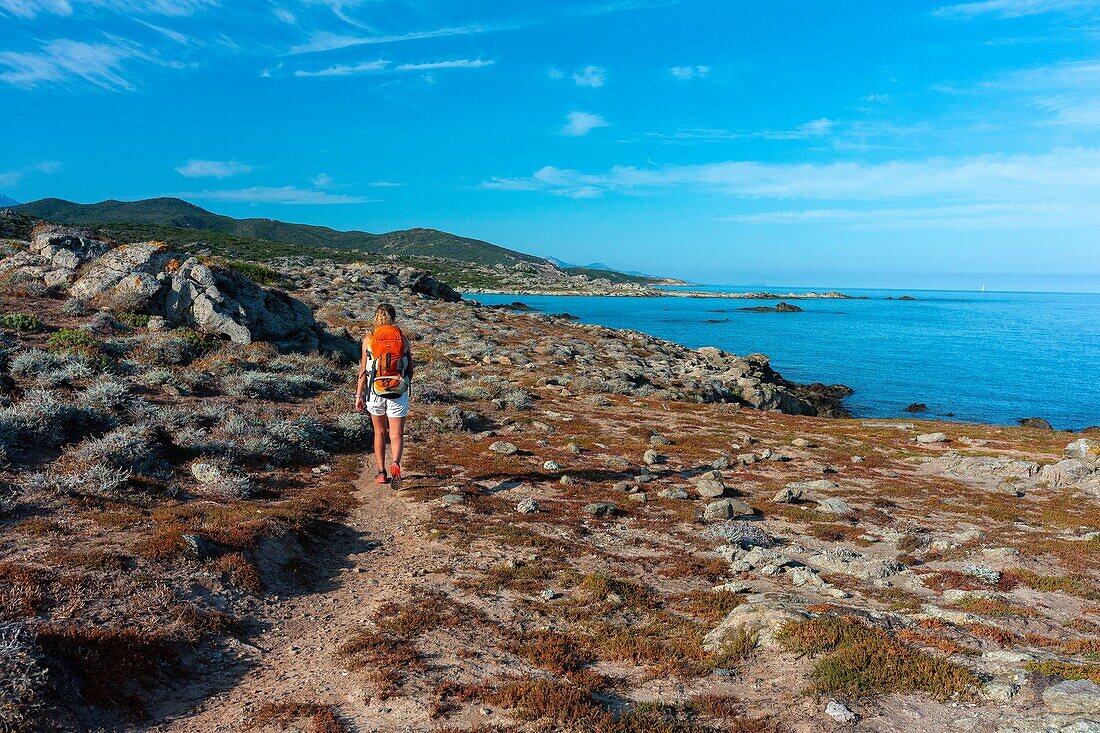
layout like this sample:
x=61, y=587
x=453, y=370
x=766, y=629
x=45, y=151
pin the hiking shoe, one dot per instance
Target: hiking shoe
x=381, y=478
x=395, y=470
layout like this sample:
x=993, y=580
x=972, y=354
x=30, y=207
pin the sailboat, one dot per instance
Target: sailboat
x=983, y=287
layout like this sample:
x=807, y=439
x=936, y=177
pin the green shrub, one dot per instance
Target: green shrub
x=197, y=341
x=257, y=273
x=72, y=341
x=23, y=322
x=858, y=660
x=130, y=318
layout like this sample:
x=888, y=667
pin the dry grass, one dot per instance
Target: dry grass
x=321, y=718
x=1066, y=670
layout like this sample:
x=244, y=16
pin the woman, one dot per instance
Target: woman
x=386, y=371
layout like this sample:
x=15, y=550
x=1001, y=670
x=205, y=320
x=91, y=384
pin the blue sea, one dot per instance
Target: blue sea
x=989, y=357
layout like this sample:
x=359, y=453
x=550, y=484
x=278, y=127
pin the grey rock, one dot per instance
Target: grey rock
x=656, y=439
x=833, y=505
x=504, y=448
x=197, y=547
x=548, y=594
x=527, y=506
x=720, y=464
x=453, y=499
x=1083, y=449
x=763, y=618
x=650, y=457
x=789, y=494
x=931, y=438
x=1066, y=472
x=1080, y=697
x=840, y=713
x=601, y=509
x=639, y=496
x=727, y=509
x=672, y=493
x=709, y=488
x=740, y=534
x=801, y=443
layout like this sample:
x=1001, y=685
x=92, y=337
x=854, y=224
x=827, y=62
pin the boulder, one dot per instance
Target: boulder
x=601, y=509
x=932, y=438
x=709, y=488
x=840, y=713
x=727, y=509
x=527, y=506
x=1081, y=697
x=504, y=448
x=789, y=494
x=834, y=506
x=1083, y=449
x=1066, y=472
x=1035, y=422
x=762, y=618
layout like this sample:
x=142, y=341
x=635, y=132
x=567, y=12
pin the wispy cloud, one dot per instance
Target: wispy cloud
x=63, y=60
x=812, y=129
x=1013, y=8
x=31, y=8
x=276, y=195
x=1066, y=175
x=213, y=168
x=326, y=41
x=365, y=67
x=449, y=64
x=382, y=65
x=579, y=123
x=14, y=176
x=689, y=72
x=590, y=76
x=969, y=217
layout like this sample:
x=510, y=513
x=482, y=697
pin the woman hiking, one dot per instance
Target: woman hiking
x=386, y=371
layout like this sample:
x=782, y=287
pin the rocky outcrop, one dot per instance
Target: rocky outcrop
x=148, y=278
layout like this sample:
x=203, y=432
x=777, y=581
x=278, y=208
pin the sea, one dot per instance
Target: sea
x=989, y=357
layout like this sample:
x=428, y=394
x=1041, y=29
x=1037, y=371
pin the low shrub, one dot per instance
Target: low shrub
x=256, y=273
x=22, y=322
x=72, y=341
x=22, y=679
x=49, y=369
x=860, y=660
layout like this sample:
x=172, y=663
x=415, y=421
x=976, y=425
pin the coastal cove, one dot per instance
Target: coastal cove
x=990, y=357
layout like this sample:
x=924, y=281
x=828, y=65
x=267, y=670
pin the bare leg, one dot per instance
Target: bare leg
x=397, y=438
x=379, y=440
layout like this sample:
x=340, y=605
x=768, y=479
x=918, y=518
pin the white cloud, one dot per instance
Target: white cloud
x=321, y=180
x=581, y=123
x=968, y=217
x=13, y=177
x=325, y=41
x=97, y=63
x=286, y=16
x=213, y=168
x=555, y=73
x=31, y=8
x=590, y=76
x=813, y=128
x=276, y=195
x=385, y=184
x=1067, y=175
x=450, y=64
x=346, y=70
x=1013, y=8
x=689, y=72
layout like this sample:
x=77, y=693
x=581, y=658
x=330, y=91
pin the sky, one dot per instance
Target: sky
x=795, y=142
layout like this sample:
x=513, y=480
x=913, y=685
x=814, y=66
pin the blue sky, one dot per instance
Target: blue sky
x=900, y=144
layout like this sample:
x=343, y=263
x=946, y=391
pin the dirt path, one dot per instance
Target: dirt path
x=381, y=556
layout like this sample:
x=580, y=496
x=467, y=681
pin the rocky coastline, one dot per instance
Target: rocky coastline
x=193, y=539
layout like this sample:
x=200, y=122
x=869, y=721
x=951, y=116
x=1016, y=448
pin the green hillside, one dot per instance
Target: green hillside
x=179, y=222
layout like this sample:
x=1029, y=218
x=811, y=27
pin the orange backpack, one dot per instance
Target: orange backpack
x=388, y=362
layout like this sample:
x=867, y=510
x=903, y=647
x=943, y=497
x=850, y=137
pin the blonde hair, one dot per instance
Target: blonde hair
x=384, y=315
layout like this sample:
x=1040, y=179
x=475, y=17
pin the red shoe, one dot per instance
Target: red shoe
x=395, y=470
x=381, y=478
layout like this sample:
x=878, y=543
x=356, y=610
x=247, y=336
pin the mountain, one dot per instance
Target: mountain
x=6, y=201
x=178, y=222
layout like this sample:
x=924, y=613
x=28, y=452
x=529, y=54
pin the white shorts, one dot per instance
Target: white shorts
x=388, y=406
